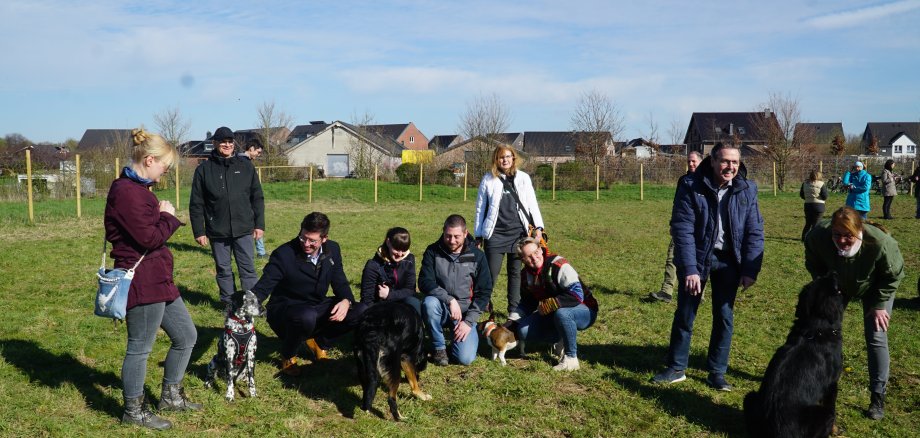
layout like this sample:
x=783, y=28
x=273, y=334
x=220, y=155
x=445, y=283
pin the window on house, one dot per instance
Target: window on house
x=741, y=130
x=911, y=149
x=897, y=149
x=411, y=139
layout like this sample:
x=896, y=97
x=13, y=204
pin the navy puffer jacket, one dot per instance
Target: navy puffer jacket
x=693, y=223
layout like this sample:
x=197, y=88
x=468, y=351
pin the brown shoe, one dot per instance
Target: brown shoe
x=318, y=353
x=290, y=368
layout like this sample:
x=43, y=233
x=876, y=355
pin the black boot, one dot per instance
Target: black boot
x=137, y=412
x=173, y=399
x=876, y=406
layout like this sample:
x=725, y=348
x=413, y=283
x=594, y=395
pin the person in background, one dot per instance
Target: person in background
x=915, y=180
x=670, y=271
x=859, y=182
x=869, y=267
x=814, y=192
x=253, y=151
x=506, y=209
x=718, y=235
x=889, y=188
x=227, y=211
x=390, y=274
x=138, y=225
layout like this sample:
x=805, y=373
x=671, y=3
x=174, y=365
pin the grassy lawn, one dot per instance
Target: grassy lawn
x=60, y=365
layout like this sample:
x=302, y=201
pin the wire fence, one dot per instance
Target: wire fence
x=92, y=177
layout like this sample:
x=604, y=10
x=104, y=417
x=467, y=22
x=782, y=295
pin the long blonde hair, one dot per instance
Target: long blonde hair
x=152, y=145
x=497, y=157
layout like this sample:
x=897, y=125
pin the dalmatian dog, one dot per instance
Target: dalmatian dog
x=236, y=349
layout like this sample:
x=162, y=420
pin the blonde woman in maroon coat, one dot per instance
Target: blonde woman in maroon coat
x=139, y=225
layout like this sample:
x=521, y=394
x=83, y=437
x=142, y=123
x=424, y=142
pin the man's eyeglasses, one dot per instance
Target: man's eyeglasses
x=304, y=241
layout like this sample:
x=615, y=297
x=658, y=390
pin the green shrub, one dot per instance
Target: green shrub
x=407, y=173
x=445, y=177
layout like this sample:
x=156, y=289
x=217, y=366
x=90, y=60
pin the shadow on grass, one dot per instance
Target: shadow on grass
x=329, y=380
x=55, y=371
x=632, y=366
x=185, y=247
x=196, y=298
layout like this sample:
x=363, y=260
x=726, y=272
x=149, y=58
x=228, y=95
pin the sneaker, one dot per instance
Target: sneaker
x=660, y=296
x=439, y=357
x=318, y=352
x=290, y=368
x=670, y=375
x=717, y=381
x=558, y=350
x=876, y=409
x=514, y=316
x=567, y=363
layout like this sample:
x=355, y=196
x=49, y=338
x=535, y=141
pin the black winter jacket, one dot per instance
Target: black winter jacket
x=290, y=278
x=398, y=276
x=226, y=199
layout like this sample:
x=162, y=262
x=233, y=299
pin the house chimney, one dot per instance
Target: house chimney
x=731, y=129
x=766, y=112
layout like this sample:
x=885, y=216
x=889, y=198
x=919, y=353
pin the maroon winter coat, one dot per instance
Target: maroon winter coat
x=134, y=224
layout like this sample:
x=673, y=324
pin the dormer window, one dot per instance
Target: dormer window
x=741, y=130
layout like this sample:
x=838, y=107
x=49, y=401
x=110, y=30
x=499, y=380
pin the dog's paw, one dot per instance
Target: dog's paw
x=422, y=396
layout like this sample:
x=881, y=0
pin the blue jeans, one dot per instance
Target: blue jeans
x=241, y=249
x=564, y=323
x=725, y=276
x=437, y=315
x=143, y=322
x=260, y=247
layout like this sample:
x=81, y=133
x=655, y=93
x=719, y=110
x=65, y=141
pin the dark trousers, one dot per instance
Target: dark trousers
x=725, y=275
x=296, y=323
x=494, y=257
x=813, y=213
x=886, y=207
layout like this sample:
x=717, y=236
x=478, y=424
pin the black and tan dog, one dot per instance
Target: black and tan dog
x=798, y=395
x=390, y=338
x=236, y=349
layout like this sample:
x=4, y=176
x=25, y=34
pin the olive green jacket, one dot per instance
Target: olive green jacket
x=872, y=275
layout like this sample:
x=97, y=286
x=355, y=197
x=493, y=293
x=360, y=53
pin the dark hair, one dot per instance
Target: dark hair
x=399, y=238
x=454, y=220
x=889, y=164
x=719, y=147
x=254, y=143
x=315, y=222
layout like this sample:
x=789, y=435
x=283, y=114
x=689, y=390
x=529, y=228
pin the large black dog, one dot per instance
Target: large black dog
x=798, y=395
x=390, y=338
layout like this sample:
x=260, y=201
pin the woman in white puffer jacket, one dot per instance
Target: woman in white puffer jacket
x=502, y=219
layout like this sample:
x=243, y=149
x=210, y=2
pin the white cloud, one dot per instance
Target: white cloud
x=862, y=16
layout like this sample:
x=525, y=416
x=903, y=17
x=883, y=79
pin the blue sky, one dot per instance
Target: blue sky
x=68, y=66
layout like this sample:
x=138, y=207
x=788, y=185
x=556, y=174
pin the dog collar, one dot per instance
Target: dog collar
x=489, y=328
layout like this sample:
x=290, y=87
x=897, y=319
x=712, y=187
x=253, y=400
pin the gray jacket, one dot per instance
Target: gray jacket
x=464, y=277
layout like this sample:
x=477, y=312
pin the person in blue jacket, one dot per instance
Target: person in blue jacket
x=718, y=234
x=858, y=182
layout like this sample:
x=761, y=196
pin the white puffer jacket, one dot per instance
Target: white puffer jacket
x=490, y=197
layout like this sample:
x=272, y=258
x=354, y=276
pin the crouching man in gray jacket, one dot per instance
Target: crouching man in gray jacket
x=457, y=284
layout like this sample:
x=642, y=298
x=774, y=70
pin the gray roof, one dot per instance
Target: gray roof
x=304, y=131
x=373, y=135
x=824, y=133
x=388, y=131
x=103, y=138
x=439, y=143
x=714, y=127
x=554, y=143
x=887, y=132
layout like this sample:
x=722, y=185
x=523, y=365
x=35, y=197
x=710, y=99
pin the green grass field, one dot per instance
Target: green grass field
x=60, y=365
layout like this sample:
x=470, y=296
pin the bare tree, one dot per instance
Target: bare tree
x=596, y=121
x=781, y=113
x=364, y=156
x=271, y=122
x=651, y=135
x=486, y=117
x=172, y=125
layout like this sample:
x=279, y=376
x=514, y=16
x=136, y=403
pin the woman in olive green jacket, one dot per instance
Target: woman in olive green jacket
x=869, y=267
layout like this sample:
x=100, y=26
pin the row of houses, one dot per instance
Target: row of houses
x=335, y=146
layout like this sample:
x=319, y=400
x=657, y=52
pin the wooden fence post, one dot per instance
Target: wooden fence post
x=554, y=180
x=117, y=168
x=310, y=187
x=821, y=166
x=375, y=184
x=774, y=178
x=466, y=171
x=29, y=184
x=421, y=172
x=597, y=182
x=641, y=182
x=176, y=168
x=259, y=169
x=79, y=209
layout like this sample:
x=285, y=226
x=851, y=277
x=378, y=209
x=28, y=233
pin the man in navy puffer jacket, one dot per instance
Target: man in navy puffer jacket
x=718, y=234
